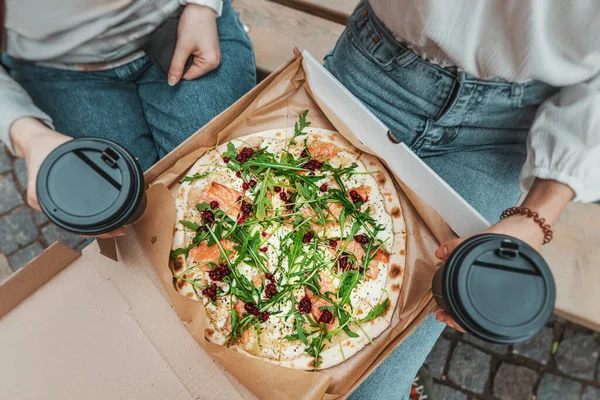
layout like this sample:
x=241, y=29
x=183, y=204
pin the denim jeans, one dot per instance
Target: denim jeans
x=471, y=132
x=133, y=104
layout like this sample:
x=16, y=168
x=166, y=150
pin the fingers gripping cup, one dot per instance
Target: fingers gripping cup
x=91, y=186
x=497, y=288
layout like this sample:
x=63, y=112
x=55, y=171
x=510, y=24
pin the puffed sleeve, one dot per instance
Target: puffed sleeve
x=564, y=141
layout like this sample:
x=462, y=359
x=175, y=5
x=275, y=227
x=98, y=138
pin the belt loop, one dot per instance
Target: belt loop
x=516, y=93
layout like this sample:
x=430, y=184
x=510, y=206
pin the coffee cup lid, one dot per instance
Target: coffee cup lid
x=503, y=291
x=90, y=186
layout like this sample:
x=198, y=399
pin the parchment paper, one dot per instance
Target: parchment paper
x=278, y=106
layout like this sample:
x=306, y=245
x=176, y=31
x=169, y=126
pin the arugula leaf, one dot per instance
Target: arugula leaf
x=190, y=225
x=230, y=153
x=177, y=252
x=377, y=311
x=347, y=283
x=300, y=330
x=192, y=178
x=299, y=126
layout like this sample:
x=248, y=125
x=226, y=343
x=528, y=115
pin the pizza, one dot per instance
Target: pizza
x=294, y=241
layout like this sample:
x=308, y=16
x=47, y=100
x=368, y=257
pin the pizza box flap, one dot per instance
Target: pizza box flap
x=87, y=327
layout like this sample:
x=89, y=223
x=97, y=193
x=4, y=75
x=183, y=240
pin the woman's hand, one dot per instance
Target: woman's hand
x=547, y=198
x=197, y=35
x=33, y=141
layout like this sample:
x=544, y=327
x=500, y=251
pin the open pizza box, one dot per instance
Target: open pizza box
x=87, y=326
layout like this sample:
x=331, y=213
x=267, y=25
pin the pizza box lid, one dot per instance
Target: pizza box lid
x=86, y=325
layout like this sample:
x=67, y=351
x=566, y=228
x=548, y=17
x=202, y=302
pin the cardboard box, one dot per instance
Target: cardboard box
x=74, y=326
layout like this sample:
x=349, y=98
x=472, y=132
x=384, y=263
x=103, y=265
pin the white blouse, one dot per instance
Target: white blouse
x=554, y=41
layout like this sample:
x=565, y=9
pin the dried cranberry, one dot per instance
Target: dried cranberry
x=304, y=153
x=238, y=174
x=246, y=208
x=245, y=186
x=210, y=292
x=207, y=217
x=264, y=316
x=324, y=187
x=283, y=196
x=251, y=308
x=270, y=276
x=245, y=154
x=308, y=237
x=239, y=198
x=214, y=204
x=219, y=272
x=360, y=238
x=226, y=160
x=344, y=263
x=305, y=305
x=252, y=183
x=270, y=290
x=264, y=234
x=355, y=197
x=326, y=317
x=264, y=249
x=333, y=243
x=277, y=189
x=243, y=218
x=312, y=164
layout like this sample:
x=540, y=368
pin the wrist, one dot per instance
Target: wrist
x=548, y=198
x=24, y=132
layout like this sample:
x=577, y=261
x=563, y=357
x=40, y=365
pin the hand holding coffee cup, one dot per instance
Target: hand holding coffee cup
x=34, y=141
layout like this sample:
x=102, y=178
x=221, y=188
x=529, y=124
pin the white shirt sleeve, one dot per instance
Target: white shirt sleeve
x=15, y=103
x=564, y=141
x=216, y=5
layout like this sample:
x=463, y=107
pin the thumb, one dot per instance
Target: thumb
x=447, y=247
x=182, y=52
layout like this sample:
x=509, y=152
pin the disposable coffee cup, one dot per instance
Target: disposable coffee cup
x=91, y=186
x=498, y=288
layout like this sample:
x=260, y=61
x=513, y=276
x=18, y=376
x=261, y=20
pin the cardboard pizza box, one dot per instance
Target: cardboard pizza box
x=84, y=325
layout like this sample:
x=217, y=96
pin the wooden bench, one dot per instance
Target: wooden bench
x=277, y=26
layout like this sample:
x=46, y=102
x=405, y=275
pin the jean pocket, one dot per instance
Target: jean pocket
x=374, y=40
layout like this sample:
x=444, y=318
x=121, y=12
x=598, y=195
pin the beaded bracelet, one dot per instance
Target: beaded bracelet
x=530, y=214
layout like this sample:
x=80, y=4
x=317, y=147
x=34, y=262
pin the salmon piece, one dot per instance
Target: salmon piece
x=324, y=150
x=336, y=209
x=204, y=254
x=227, y=198
x=238, y=306
x=257, y=280
x=380, y=256
x=326, y=285
x=363, y=191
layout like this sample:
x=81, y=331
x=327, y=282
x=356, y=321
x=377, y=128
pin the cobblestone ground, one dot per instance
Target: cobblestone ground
x=560, y=363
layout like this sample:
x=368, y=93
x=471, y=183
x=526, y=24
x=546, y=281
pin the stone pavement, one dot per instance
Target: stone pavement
x=560, y=363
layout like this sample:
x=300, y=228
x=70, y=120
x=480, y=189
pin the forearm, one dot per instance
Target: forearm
x=548, y=198
x=24, y=133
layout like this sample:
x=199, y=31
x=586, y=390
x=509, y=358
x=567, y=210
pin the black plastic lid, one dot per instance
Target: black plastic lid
x=90, y=186
x=499, y=288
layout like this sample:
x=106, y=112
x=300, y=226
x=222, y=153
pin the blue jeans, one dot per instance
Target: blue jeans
x=471, y=132
x=133, y=104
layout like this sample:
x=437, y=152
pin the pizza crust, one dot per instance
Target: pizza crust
x=332, y=355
